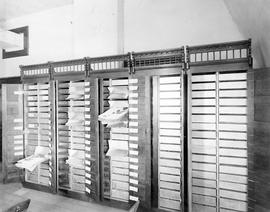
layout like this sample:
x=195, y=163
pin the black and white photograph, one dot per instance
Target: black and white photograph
x=135, y=105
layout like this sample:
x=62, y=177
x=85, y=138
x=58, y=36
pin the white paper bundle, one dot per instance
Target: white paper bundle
x=75, y=162
x=78, y=146
x=78, y=186
x=76, y=140
x=76, y=118
x=75, y=96
x=118, y=124
x=76, y=153
x=42, y=151
x=114, y=114
x=72, y=122
x=77, y=84
x=118, y=144
x=76, y=134
x=78, y=179
x=117, y=149
x=41, y=155
x=78, y=126
x=76, y=103
x=115, y=153
x=119, y=104
x=76, y=89
x=118, y=96
x=19, y=92
x=76, y=109
x=75, y=115
x=118, y=92
x=75, y=158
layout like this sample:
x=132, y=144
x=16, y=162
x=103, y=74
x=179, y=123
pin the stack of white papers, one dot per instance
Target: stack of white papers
x=117, y=148
x=30, y=163
x=117, y=115
x=75, y=158
x=118, y=92
x=75, y=118
x=114, y=117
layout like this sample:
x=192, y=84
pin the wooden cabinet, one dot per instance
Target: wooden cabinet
x=12, y=131
x=183, y=144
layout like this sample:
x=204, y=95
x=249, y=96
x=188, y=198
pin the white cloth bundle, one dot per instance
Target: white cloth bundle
x=30, y=163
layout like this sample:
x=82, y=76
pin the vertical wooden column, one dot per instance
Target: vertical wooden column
x=53, y=123
x=93, y=173
x=144, y=141
x=217, y=144
x=155, y=142
x=250, y=139
x=101, y=137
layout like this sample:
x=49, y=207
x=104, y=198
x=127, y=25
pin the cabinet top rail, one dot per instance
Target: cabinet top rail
x=238, y=51
x=220, y=53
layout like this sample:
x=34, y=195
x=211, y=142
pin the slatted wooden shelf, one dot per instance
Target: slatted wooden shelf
x=219, y=174
x=119, y=183
x=170, y=142
x=37, y=127
x=71, y=135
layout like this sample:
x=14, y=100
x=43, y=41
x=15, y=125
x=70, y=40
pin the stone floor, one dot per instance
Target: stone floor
x=45, y=202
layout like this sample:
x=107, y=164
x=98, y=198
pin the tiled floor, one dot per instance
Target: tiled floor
x=45, y=202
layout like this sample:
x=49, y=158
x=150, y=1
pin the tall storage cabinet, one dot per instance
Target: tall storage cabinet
x=219, y=138
x=166, y=128
x=12, y=122
x=39, y=125
x=111, y=85
x=160, y=80
x=71, y=124
x=168, y=109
